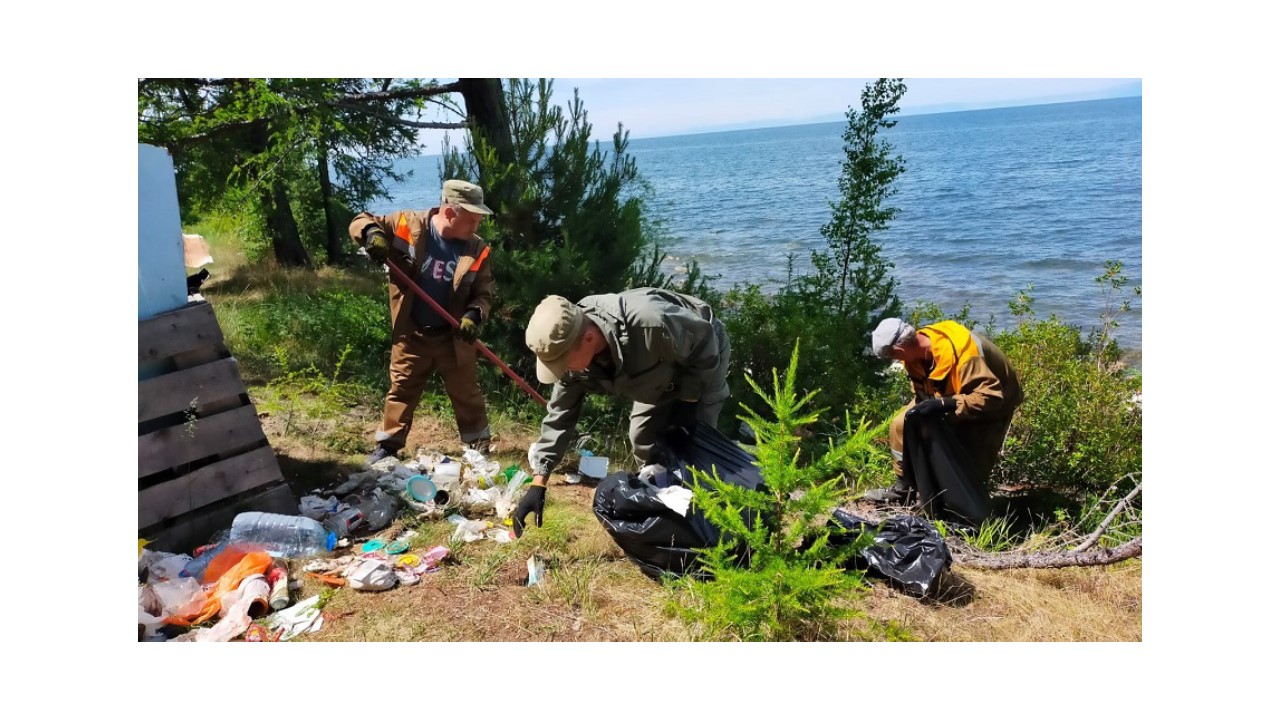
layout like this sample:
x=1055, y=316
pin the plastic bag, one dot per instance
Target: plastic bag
x=908, y=551
x=942, y=470
x=371, y=574
x=470, y=530
x=653, y=535
x=181, y=596
x=252, y=563
x=480, y=502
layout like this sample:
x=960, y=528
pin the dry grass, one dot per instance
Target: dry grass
x=593, y=593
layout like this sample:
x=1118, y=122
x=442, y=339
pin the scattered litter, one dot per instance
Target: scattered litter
x=500, y=535
x=593, y=466
x=278, y=577
x=676, y=498
x=421, y=488
x=537, y=570
x=226, y=588
x=257, y=633
x=316, y=507
x=470, y=530
x=302, y=617
x=371, y=574
x=572, y=478
x=236, y=608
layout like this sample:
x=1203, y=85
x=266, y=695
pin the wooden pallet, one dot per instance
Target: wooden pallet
x=202, y=455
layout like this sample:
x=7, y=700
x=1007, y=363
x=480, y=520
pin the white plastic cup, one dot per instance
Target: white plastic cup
x=446, y=475
x=594, y=466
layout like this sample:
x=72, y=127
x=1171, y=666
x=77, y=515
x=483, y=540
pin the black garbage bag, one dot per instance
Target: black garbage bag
x=908, y=551
x=942, y=470
x=655, y=537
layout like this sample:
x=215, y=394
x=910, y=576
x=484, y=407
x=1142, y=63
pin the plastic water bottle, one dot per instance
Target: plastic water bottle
x=288, y=536
x=379, y=510
x=200, y=563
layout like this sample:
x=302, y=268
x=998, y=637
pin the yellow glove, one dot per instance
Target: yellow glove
x=469, y=327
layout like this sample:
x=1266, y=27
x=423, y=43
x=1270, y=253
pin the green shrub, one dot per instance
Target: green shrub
x=1079, y=429
x=790, y=584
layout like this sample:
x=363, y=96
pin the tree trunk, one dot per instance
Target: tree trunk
x=487, y=114
x=333, y=239
x=281, y=228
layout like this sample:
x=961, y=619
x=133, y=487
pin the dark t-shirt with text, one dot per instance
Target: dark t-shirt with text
x=436, y=278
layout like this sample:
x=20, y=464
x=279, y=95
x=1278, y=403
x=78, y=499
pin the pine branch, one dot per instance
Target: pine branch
x=1009, y=561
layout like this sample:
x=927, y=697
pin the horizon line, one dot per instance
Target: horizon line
x=921, y=110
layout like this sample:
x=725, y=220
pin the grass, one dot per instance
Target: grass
x=591, y=591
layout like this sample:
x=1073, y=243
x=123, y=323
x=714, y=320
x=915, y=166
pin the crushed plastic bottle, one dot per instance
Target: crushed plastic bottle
x=288, y=536
x=345, y=522
x=379, y=510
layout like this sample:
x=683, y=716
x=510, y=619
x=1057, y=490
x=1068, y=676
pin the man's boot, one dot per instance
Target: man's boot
x=379, y=453
x=899, y=493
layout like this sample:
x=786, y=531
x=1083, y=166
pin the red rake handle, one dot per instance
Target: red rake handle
x=422, y=294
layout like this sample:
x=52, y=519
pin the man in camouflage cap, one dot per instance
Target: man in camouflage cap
x=440, y=250
x=664, y=351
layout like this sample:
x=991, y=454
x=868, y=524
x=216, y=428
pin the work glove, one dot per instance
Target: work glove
x=684, y=415
x=377, y=245
x=933, y=406
x=469, y=327
x=534, y=498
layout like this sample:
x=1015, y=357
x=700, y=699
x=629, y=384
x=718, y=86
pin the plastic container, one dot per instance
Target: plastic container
x=446, y=475
x=593, y=466
x=288, y=536
x=421, y=488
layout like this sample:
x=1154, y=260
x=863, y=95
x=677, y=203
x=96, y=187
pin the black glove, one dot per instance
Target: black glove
x=534, y=498
x=469, y=327
x=684, y=415
x=377, y=245
x=933, y=406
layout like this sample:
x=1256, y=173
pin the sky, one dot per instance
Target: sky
x=680, y=106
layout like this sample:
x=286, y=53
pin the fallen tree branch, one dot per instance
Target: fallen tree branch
x=1097, y=533
x=1009, y=561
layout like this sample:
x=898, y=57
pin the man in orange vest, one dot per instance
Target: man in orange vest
x=440, y=250
x=954, y=372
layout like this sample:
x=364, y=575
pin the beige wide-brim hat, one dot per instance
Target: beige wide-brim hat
x=553, y=330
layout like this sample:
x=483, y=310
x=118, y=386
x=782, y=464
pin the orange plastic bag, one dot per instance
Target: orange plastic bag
x=255, y=562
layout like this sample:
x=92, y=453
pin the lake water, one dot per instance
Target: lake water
x=991, y=201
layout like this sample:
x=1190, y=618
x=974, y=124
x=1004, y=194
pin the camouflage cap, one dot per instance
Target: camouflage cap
x=468, y=195
x=553, y=330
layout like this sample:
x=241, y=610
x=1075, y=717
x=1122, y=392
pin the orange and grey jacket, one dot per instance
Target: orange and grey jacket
x=970, y=368
x=408, y=233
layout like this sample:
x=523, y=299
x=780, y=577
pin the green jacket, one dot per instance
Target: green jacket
x=663, y=347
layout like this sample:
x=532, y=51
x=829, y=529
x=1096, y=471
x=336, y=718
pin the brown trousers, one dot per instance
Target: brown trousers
x=413, y=360
x=983, y=438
